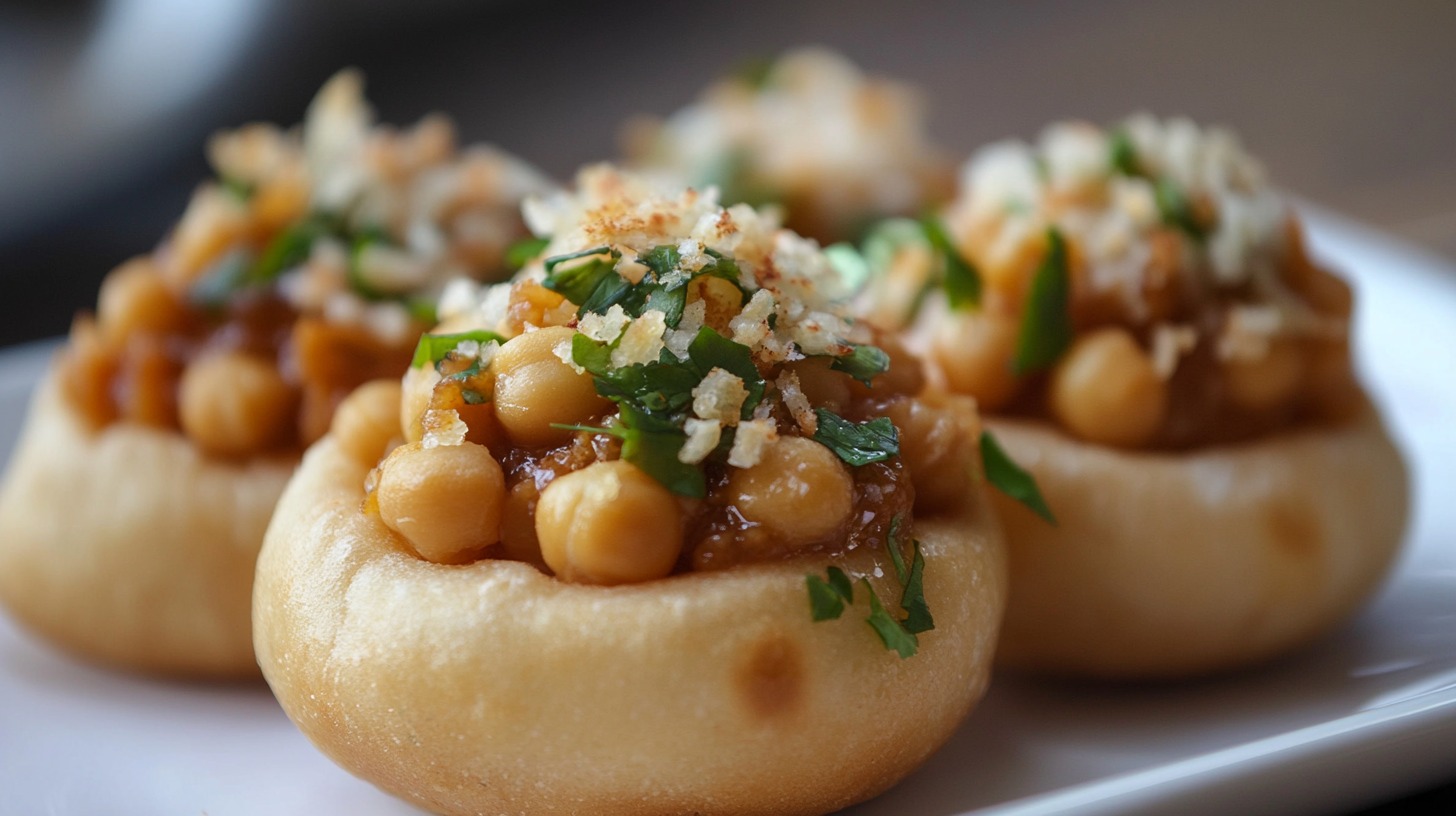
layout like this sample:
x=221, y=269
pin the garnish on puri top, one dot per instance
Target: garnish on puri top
x=672, y=386
x=1141, y=286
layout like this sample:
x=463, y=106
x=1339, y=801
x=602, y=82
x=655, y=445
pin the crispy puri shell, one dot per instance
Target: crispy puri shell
x=128, y=547
x=492, y=687
x=1175, y=564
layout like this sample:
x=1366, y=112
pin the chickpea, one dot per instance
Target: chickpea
x=721, y=300
x=233, y=404
x=145, y=387
x=214, y=221
x=1266, y=382
x=975, y=352
x=940, y=438
x=1106, y=390
x=799, y=491
x=367, y=420
x=535, y=389
x=134, y=299
x=609, y=523
x=445, y=501
x=823, y=386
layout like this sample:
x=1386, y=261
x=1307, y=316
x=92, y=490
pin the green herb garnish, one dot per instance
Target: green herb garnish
x=1122, y=154
x=828, y=597
x=912, y=600
x=652, y=444
x=237, y=188
x=1008, y=477
x=1046, y=325
x=290, y=248
x=524, y=251
x=891, y=631
x=357, y=281
x=857, y=443
x=852, y=267
x=1177, y=211
x=961, y=280
x=225, y=276
x=863, y=363
x=433, y=348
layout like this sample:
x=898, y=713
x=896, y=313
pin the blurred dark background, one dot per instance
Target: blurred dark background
x=105, y=105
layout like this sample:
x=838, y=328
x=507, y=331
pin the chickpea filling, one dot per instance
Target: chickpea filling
x=1141, y=287
x=671, y=387
x=808, y=132
x=311, y=266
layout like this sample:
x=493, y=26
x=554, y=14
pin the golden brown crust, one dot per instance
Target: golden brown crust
x=1175, y=564
x=128, y=547
x=492, y=687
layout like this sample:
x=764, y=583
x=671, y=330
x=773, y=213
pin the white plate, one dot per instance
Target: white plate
x=1363, y=715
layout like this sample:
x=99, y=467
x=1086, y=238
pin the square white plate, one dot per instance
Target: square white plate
x=1363, y=715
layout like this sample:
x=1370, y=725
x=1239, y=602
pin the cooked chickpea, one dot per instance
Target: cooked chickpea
x=721, y=300
x=134, y=298
x=1265, y=382
x=799, y=491
x=367, y=420
x=1106, y=390
x=233, y=404
x=975, y=352
x=823, y=386
x=940, y=442
x=535, y=389
x=608, y=523
x=445, y=501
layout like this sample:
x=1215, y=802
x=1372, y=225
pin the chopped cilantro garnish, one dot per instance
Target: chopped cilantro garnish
x=1122, y=154
x=432, y=348
x=225, y=276
x=1008, y=477
x=524, y=251
x=290, y=249
x=857, y=443
x=892, y=546
x=652, y=444
x=1177, y=211
x=593, y=284
x=850, y=264
x=237, y=188
x=1046, y=325
x=864, y=363
x=961, y=280
x=357, y=280
x=892, y=632
x=828, y=597
x=710, y=350
x=912, y=600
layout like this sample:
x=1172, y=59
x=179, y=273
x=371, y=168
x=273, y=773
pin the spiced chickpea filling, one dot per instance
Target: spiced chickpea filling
x=308, y=267
x=1141, y=287
x=670, y=387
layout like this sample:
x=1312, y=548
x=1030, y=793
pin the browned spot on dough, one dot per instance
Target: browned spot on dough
x=1295, y=529
x=771, y=680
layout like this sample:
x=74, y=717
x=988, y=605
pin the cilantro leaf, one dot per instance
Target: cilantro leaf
x=1177, y=211
x=828, y=598
x=657, y=387
x=850, y=264
x=290, y=248
x=525, y=250
x=432, y=348
x=912, y=600
x=226, y=275
x=662, y=260
x=1011, y=479
x=962, y=281
x=592, y=285
x=857, y=444
x=357, y=280
x=1046, y=324
x=891, y=631
x=892, y=545
x=652, y=444
x=864, y=363
x=1122, y=154
x=710, y=350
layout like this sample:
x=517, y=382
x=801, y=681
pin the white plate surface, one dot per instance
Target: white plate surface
x=1363, y=715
